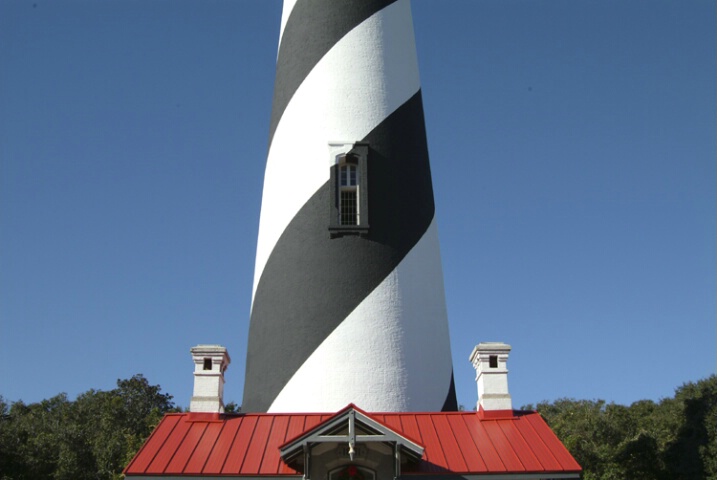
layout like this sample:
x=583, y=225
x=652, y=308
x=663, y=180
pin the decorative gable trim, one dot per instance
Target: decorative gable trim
x=349, y=426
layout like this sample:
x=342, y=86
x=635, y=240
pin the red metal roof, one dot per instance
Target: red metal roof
x=454, y=442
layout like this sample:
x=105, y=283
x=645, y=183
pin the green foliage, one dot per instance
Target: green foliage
x=694, y=453
x=93, y=437
x=232, y=407
x=673, y=439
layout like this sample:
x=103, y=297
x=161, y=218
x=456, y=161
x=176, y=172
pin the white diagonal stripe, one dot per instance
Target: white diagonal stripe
x=392, y=353
x=366, y=76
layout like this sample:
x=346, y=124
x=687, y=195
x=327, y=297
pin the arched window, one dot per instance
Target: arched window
x=352, y=472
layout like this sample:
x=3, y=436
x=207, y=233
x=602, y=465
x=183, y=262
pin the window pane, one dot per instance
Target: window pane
x=348, y=208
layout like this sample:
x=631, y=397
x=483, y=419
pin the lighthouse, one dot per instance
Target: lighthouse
x=348, y=300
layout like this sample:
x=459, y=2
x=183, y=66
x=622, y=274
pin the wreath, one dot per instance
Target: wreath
x=350, y=473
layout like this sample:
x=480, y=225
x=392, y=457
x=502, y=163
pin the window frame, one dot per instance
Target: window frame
x=356, y=155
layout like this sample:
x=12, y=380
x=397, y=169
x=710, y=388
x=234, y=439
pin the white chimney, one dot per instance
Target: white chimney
x=490, y=361
x=210, y=362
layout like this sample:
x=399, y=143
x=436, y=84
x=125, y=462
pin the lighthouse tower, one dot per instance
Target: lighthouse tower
x=348, y=302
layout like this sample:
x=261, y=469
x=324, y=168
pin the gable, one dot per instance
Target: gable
x=349, y=427
x=350, y=439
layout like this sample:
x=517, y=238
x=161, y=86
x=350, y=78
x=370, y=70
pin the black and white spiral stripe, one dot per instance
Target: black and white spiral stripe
x=348, y=319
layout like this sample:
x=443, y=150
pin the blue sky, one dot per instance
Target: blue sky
x=573, y=153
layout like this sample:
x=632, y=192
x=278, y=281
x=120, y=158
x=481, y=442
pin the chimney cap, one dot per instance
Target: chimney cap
x=486, y=348
x=209, y=348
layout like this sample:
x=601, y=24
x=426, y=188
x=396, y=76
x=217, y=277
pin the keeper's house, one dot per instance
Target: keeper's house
x=495, y=442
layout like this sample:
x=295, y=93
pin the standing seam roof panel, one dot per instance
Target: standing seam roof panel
x=536, y=443
x=235, y=459
x=224, y=442
x=387, y=420
x=186, y=448
x=433, y=453
x=272, y=459
x=168, y=450
x=503, y=447
x=146, y=456
x=295, y=428
x=449, y=446
x=258, y=446
x=471, y=454
x=409, y=427
x=551, y=441
x=484, y=445
x=314, y=420
x=405, y=425
x=512, y=432
x=201, y=453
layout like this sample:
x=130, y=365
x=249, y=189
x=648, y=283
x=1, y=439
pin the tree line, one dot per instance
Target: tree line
x=673, y=439
x=92, y=437
x=97, y=434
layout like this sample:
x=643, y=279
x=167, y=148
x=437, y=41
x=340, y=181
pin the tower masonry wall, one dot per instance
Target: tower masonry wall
x=356, y=316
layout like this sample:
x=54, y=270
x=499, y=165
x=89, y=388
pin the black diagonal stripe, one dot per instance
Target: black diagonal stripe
x=311, y=282
x=451, y=403
x=313, y=27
